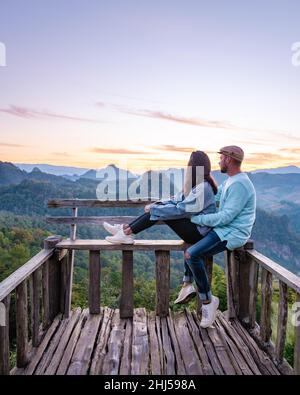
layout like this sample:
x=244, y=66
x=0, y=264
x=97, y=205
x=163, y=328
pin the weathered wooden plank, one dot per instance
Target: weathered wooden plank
x=70, y=203
x=68, y=352
x=266, y=306
x=168, y=352
x=209, y=268
x=221, y=352
x=160, y=344
x=16, y=278
x=91, y=220
x=30, y=368
x=54, y=342
x=139, y=245
x=125, y=367
x=231, y=283
x=297, y=340
x=195, y=335
x=179, y=365
x=54, y=287
x=214, y=361
x=100, y=350
x=22, y=324
x=80, y=361
x=126, y=301
x=238, y=362
x=94, y=282
x=62, y=345
x=282, y=320
x=46, y=295
x=232, y=335
x=67, y=267
x=36, y=293
x=162, y=282
x=112, y=360
x=289, y=278
x=253, y=284
x=262, y=360
x=140, y=347
x=4, y=336
x=189, y=354
x=155, y=367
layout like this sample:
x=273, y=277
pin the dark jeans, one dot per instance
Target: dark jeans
x=210, y=245
x=201, y=248
x=184, y=228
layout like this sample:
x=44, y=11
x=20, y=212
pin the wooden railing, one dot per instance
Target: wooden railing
x=245, y=267
x=50, y=276
x=40, y=294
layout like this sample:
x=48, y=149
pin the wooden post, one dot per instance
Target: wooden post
x=297, y=341
x=70, y=268
x=231, y=283
x=4, y=338
x=35, y=324
x=253, y=282
x=46, y=300
x=282, y=320
x=22, y=324
x=94, y=282
x=240, y=283
x=126, y=302
x=266, y=306
x=66, y=283
x=54, y=276
x=162, y=282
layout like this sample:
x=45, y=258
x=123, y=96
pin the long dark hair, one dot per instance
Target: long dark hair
x=198, y=158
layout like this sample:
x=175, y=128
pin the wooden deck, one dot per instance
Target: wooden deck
x=146, y=344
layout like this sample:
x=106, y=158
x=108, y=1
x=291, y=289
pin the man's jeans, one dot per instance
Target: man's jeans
x=195, y=265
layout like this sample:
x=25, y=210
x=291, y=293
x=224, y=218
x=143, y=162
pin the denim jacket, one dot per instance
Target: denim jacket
x=201, y=200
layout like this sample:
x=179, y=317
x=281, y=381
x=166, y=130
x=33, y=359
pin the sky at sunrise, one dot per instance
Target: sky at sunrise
x=143, y=83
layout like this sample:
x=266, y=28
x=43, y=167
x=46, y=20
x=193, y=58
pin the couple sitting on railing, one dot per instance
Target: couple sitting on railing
x=192, y=216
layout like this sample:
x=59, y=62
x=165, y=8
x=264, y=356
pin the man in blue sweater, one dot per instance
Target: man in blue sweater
x=232, y=226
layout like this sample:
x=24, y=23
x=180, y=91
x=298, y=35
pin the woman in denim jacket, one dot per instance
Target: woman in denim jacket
x=197, y=197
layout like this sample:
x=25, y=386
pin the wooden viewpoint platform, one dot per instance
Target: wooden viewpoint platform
x=104, y=344
x=53, y=339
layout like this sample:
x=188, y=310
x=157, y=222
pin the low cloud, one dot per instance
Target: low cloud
x=117, y=151
x=28, y=113
x=174, y=148
x=12, y=145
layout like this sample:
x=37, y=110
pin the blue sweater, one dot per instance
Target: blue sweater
x=236, y=216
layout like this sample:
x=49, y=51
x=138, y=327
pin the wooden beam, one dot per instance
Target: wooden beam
x=297, y=340
x=94, y=282
x=65, y=203
x=162, y=282
x=126, y=302
x=139, y=245
x=4, y=337
x=36, y=291
x=282, y=320
x=253, y=285
x=289, y=278
x=22, y=324
x=46, y=296
x=266, y=305
x=16, y=278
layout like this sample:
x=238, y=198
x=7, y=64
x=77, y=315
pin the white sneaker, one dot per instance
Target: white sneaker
x=112, y=229
x=186, y=294
x=120, y=238
x=209, y=312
